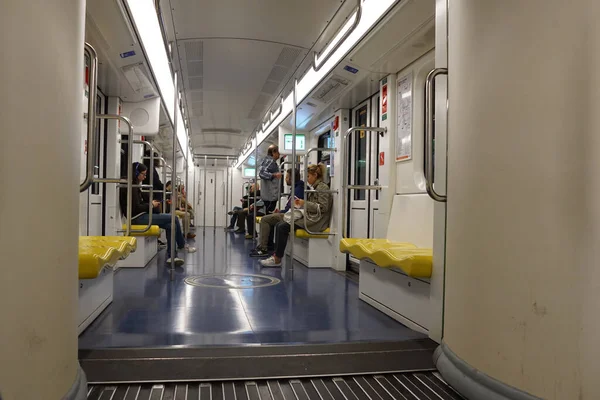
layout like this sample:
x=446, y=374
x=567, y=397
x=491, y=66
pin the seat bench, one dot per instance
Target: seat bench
x=97, y=256
x=147, y=247
x=394, y=278
x=313, y=251
x=411, y=260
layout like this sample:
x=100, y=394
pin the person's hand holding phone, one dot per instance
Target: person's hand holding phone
x=299, y=203
x=155, y=203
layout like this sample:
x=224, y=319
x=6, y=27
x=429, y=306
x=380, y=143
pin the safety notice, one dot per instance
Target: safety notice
x=404, y=126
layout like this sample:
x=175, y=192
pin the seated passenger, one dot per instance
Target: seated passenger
x=260, y=211
x=243, y=214
x=234, y=216
x=139, y=211
x=269, y=221
x=179, y=211
x=317, y=209
x=235, y=211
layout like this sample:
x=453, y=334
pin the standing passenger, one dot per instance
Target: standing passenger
x=270, y=175
x=139, y=211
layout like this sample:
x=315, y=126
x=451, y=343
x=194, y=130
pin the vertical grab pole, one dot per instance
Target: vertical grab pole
x=174, y=191
x=204, y=199
x=185, y=206
x=215, y=201
x=129, y=177
x=293, y=177
x=91, y=119
x=255, y=186
x=227, y=191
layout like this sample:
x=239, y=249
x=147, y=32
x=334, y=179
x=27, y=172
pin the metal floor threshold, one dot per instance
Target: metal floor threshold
x=248, y=363
x=405, y=386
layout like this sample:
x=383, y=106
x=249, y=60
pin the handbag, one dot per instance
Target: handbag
x=293, y=214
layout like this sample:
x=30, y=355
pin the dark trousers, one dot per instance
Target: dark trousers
x=282, y=232
x=234, y=216
x=270, y=206
x=250, y=221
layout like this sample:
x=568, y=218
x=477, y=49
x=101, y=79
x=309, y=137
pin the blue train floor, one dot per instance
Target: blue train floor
x=222, y=297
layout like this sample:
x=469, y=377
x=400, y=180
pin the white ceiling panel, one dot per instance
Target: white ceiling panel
x=290, y=22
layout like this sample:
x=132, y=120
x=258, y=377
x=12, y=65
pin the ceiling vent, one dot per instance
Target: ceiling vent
x=330, y=89
x=194, y=50
x=137, y=76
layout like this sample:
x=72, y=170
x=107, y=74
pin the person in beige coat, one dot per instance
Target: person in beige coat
x=317, y=208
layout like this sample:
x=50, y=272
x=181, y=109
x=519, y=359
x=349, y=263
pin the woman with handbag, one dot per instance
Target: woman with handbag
x=315, y=210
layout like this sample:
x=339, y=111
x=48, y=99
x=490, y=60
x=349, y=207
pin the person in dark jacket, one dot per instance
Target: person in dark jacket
x=157, y=184
x=140, y=205
x=268, y=222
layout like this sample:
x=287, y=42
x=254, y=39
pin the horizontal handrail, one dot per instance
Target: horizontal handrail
x=318, y=64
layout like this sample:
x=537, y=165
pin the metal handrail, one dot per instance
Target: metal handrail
x=318, y=66
x=91, y=120
x=345, y=186
x=174, y=196
x=429, y=116
x=129, y=164
x=215, y=199
x=314, y=191
x=204, y=200
x=151, y=191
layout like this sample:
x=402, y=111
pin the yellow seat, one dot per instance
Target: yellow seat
x=97, y=252
x=413, y=261
x=302, y=234
x=258, y=219
x=153, y=231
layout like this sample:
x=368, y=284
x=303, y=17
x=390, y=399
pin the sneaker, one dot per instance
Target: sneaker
x=178, y=261
x=239, y=231
x=249, y=236
x=230, y=213
x=259, y=252
x=270, y=262
x=190, y=249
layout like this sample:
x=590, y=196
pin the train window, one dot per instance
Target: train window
x=325, y=141
x=360, y=157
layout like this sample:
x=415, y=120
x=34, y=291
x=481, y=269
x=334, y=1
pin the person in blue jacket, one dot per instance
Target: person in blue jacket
x=269, y=221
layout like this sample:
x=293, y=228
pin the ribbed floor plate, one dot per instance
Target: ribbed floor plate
x=405, y=386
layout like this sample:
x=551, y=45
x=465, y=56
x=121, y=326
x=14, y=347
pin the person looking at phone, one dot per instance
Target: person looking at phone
x=139, y=211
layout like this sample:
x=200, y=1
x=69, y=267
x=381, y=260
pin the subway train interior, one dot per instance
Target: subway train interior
x=294, y=200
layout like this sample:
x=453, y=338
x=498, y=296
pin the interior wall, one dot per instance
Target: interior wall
x=523, y=218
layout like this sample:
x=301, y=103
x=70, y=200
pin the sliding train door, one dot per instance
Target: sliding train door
x=364, y=150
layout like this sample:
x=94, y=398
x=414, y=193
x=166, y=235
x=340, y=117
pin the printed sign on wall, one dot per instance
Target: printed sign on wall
x=384, y=100
x=404, y=125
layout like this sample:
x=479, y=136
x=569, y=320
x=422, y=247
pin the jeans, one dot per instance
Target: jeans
x=234, y=216
x=164, y=222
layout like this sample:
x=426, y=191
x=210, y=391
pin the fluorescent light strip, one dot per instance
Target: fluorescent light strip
x=372, y=10
x=146, y=22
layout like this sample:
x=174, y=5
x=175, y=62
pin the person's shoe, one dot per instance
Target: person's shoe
x=249, y=236
x=239, y=231
x=270, y=262
x=191, y=235
x=161, y=243
x=178, y=261
x=190, y=249
x=230, y=213
x=259, y=252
